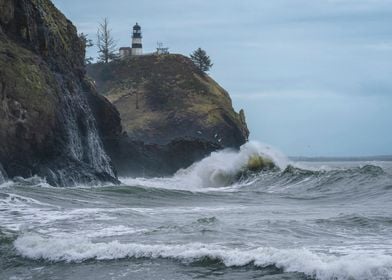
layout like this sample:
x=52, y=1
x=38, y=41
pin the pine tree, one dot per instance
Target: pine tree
x=106, y=44
x=87, y=43
x=201, y=60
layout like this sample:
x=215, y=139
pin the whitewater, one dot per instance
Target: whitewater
x=302, y=220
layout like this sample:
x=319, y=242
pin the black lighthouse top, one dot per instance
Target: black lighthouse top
x=137, y=33
x=136, y=26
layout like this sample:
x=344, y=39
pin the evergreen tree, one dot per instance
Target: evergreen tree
x=106, y=44
x=87, y=43
x=201, y=60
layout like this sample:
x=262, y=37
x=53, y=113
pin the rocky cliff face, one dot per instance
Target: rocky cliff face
x=47, y=126
x=179, y=113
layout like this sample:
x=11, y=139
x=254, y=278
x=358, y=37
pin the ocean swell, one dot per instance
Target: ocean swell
x=358, y=266
x=220, y=169
x=219, y=172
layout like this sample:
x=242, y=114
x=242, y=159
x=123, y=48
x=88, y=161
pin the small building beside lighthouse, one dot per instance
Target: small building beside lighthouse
x=137, y=46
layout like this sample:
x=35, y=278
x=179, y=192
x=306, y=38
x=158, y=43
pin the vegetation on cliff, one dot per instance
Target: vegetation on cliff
x=202, y=61
x=166, y=97
x=54, y=124
x=47, y=126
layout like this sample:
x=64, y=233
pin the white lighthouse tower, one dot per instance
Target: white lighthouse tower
x=137, y=48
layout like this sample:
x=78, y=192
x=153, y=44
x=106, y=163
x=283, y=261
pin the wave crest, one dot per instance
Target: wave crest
x=220, y=169
x=318, y=265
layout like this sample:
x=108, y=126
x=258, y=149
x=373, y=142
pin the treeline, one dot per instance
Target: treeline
x=107, y=48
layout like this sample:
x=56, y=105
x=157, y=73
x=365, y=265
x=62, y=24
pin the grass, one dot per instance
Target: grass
x=166, y=85
x=27, y=73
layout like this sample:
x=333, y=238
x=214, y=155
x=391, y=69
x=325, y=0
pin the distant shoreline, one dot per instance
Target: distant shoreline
x=366, y=158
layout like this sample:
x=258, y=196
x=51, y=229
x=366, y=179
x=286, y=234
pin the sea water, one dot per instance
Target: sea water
x=318, y=220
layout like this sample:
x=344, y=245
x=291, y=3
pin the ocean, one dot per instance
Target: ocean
x=307, y=220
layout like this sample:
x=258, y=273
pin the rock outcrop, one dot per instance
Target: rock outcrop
x=47, y=125
x=172, y=113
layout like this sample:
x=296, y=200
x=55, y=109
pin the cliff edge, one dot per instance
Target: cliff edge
x=165, y=97
x=47, y=125
x=173, y=114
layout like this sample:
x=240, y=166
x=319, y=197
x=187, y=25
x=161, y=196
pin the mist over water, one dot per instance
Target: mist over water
x=317, y=220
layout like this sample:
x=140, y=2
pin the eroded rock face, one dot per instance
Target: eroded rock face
x=47, y=126
x=179, y=113
x=136, y=159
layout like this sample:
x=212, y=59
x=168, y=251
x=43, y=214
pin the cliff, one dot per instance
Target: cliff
x=165, y=97
x=47, y=125
x=179, y=113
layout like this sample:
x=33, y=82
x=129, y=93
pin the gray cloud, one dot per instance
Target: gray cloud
x=317, y=68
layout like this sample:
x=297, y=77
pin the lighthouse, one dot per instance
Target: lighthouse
x=137, y=48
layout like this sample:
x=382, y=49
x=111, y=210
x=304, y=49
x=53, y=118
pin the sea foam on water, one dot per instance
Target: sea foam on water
x=363, y=266
x=219, y=169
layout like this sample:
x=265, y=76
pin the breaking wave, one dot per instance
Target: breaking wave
x=220, y=169
x=218, y=173
x=317, y=222
x=358, y=266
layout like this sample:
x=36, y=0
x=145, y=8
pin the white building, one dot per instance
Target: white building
x=137, y=47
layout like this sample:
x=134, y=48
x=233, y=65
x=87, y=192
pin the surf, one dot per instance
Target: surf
x=364, y=265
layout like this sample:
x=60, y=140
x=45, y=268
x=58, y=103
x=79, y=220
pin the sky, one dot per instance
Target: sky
x=313, y=76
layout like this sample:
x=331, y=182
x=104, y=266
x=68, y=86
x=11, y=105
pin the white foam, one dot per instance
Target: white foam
x=16, y=199
x=215, y=171
x=19, y=212
x=32, y=181
x=6, y=184
x=319, y=265
x=112, y=231
x=36, y=181
x=98, y=231
x=2, y=177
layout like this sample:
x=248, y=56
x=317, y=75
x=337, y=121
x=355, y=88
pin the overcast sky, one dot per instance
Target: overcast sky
x=314, y=76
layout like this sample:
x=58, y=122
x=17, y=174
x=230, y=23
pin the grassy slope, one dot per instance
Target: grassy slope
x=165, y=96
